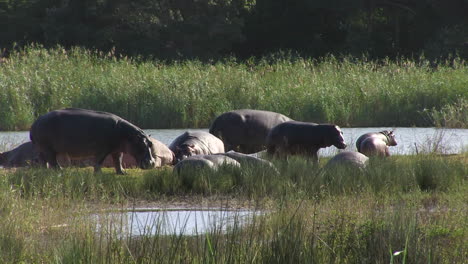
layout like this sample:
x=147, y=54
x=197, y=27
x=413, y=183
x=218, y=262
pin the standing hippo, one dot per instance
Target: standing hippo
x=195, y=143
x=245, y=130
x=348, y=159
x=212, y=162
x=376, y=143
x=81, y=133
x=294, y=137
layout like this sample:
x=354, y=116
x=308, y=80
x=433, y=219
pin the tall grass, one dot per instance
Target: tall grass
x=153, y=94
x=413, y=204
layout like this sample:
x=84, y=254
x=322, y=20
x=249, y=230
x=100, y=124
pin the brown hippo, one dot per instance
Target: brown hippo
x=212, y=162
x=161, y=153
x=81, y=133
x=376, y=143
x=195, y=143
x=294, y=137
x=245, y=130
x=348, y=159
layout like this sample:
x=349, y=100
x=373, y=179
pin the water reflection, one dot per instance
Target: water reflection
x=154, y=221
x=410, y=139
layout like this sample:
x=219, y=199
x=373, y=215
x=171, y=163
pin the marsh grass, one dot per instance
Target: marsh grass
x=414, y=204
x=152, y=94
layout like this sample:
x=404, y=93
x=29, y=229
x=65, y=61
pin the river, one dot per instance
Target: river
x=410, y=139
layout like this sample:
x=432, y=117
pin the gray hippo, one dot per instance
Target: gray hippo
x=195, y=143
x=245, y=130
x=294, y=137
x=250, y=160
x=80, y=133
x=348, y=159
x=209, y=162
x=26, y=155
x=20, y=156
x=376, y=143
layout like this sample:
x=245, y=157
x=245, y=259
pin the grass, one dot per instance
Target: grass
x=152, y=94
x=412, y=204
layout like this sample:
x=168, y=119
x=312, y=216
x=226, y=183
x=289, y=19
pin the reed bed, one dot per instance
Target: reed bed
x=406, y=209
x=154, y=94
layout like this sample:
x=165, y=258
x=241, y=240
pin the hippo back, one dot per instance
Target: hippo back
x=245, y=130
x=210, y=162
x=348, y=159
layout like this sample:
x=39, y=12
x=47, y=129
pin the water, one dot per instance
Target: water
x=410, y=140
x=175, y=221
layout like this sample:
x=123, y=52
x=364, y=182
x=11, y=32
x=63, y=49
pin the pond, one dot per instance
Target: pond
x=171, y=221
x=410, y=139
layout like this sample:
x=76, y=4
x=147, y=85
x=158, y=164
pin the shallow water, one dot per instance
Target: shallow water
x=157, y=221
x=410, y=140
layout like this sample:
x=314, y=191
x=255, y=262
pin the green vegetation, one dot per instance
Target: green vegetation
x=153, y=94
x=210, y=29
x=412, y=204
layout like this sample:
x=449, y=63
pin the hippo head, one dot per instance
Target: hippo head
x=391, y=141
x=337, y=138
x=184, y=151
x=140, y=148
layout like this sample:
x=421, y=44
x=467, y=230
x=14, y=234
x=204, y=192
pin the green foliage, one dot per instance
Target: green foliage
x=305, y=216
x=347, y=91
x=208, y=29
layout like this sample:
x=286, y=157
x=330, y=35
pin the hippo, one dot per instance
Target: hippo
x=161, y=153
x=81, y=133
x=249, y=160
x=195, y=143
x=295, y=137
x=348, y=159
x=211, y=162
x=245, y=130
x=20, y=156
x=376, y=143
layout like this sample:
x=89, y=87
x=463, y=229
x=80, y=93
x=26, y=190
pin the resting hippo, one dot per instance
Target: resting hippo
x=294, y=137
x=376, y=143
x=195, y=143
x=348, y=158
x=213, y=162
x=81, y=133
x=25, y=154
x=22, y=155
x=249, y=160
x=245, y=130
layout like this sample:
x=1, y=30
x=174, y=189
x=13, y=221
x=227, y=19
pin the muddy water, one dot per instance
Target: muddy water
x=410, y=140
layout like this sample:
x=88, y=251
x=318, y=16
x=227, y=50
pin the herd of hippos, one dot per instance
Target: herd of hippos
x=80, y=137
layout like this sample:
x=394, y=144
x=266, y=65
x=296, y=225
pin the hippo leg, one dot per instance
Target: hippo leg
x=50, y=157
x=99, y=160
x=117, y=157
x=387, y=152
x=313, y=154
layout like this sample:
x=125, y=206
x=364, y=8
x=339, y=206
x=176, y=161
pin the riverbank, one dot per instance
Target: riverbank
x=348, y=92
x=403, y=209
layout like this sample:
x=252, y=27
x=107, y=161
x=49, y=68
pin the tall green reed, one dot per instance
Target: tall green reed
x=152, y=94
